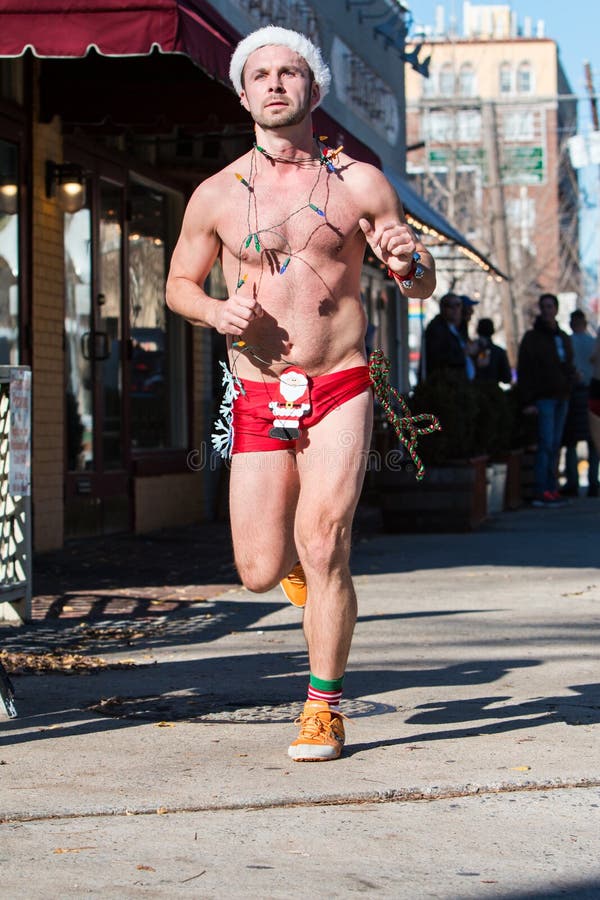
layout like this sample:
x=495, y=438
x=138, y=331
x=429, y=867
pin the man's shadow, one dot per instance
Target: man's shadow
x=263, y=687
x=581, y=709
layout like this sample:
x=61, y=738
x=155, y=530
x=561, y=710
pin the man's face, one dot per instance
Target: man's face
x=452, y=311
x=279, y=90
x=548, y=311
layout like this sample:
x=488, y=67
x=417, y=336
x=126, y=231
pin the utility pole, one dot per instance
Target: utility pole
x=589, y=84
x=499, y=229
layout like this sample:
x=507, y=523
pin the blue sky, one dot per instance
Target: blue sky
x=575, y=26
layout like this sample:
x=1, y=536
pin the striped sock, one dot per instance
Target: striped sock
x=322, y=689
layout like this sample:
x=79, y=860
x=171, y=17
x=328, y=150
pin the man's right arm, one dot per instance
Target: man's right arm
x=195, y=253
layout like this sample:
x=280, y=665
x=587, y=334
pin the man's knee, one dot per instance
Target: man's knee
x=324, y=545
x=255, y=577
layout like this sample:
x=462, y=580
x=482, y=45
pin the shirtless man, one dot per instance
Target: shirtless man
x=288, y=221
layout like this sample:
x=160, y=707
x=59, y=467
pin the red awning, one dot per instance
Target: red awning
x=71, y=28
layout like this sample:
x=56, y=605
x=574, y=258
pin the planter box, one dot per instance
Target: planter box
x=513, y=498
x=527, y=474
x=450, y=498
x=496, y=487
x=513, y=491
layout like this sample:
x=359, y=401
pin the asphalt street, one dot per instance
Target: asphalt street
x=149, y=754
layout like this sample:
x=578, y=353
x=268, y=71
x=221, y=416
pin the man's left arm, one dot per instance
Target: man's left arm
x=392, y=240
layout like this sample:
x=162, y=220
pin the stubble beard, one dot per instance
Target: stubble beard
x=287, y=119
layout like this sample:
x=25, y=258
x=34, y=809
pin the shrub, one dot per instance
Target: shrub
x=476, y=418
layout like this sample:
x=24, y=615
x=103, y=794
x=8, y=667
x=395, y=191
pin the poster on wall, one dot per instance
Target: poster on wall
x=19, y=434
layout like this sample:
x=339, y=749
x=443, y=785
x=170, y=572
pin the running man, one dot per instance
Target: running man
x=288, y=222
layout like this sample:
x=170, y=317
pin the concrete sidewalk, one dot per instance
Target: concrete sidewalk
x=473, y=682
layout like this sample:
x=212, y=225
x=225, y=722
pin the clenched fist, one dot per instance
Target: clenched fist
x=236, y=313
x=393, y=243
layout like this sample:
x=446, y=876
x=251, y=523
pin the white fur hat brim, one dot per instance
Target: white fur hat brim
x=273, y=34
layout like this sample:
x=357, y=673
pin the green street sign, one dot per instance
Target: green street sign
x=523, y=165
x=465, y=156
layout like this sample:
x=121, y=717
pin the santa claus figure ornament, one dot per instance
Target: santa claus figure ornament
x=293, y=403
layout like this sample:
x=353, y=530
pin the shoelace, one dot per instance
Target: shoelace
x=312, y=726
x=296, y=579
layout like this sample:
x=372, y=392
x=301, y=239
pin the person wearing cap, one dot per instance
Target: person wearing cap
x=288, y=221
x=443, y=344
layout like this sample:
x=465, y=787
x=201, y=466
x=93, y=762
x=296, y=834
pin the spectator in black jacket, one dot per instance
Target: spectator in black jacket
x=468, y=308
x=577, y=423
x=491, y=362
x=545, y=376
x=594, y=401
x=443, y=346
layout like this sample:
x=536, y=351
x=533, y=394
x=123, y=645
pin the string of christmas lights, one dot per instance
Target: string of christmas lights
x=256, y=234
x=407, y=427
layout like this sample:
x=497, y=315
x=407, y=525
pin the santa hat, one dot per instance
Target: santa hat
x=294, y=374
x=273, y=34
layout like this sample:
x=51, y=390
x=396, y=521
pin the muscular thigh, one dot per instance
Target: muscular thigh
x=331, y=464
x=263, y=492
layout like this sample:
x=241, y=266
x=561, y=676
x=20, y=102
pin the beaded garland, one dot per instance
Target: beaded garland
x=407, y=427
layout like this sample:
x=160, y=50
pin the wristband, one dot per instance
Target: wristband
x=416, y=271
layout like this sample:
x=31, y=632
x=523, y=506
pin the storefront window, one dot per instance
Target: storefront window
x=78, y=331
x=9, y=254
x=158, y=361
x=109, y=322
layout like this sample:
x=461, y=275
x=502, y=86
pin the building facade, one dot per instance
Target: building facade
x=489, y=130
x=132, y=102
x=110, y=115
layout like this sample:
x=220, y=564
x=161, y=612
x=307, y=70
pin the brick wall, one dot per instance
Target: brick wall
x=167, y=501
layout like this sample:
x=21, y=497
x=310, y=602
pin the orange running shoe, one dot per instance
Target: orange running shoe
x=321, y=733
x=294, y=586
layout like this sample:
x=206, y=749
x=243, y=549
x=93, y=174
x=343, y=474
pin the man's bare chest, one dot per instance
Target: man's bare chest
x=299, y=216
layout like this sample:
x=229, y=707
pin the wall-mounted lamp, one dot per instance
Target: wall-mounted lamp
x=66, y=182
x=9, y=196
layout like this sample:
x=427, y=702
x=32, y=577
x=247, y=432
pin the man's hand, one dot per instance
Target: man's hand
x=235, y=314
x=393, y=243
x=530, y=410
